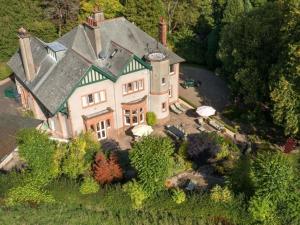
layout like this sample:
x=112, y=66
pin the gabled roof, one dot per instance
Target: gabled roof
x=121, y=41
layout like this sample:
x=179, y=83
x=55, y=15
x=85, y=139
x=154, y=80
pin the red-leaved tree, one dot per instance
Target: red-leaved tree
x=290, y=145
x=107, y=169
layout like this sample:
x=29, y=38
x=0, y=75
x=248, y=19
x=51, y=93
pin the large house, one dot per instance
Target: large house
x=103, y=76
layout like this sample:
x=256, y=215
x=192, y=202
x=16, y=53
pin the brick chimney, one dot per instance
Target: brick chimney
x=92, y=29
x=26, y=54
x=163, y=31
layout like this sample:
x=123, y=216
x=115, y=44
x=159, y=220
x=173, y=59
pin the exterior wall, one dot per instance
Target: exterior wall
x=28, y=102
x=159, y=94
x=174, y=84
x=121, y=99
x=114, y=99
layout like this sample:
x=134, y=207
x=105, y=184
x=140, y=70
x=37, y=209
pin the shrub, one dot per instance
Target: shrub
x=180, y=164
x=136, y=193
x=223, y=153
x=79, y=156
x=89, y=186
x=262, y=210
x=151, y=118
x=178, y=196
x=182, y=151
x=107, y=170
x=27, y=194
x=152, y=158
x=39, y=153
x=219, y=194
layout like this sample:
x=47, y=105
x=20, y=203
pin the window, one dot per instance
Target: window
x=164, y=106
x=90, y=99
x=93, y=99
x=134, y=117
x=127, y=117
x=108, y=123
x=141, y=115
x=170, y=92
x=163, y=81
x=172, y=69
x=132, y=87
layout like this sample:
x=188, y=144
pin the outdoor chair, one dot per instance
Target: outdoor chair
x=178, y=106
x=175, y=110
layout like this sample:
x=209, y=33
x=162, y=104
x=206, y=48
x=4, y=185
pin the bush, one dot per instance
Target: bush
x=28, y=194
x=182, y=151
x=178, y=196
x=79, y=156
x=219, y=194
x=107, y=169
x=180, y=164
x=89, y=186
x=152, y=158
x=136, y=193
x=151, y=118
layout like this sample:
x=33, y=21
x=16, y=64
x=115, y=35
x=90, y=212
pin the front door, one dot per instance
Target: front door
x=101, y=130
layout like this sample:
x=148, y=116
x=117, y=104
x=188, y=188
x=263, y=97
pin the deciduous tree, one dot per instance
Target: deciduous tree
x=106, y=168
x=152, y=158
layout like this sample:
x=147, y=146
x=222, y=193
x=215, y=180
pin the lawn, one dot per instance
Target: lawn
x=4, y=71
x=111, y=205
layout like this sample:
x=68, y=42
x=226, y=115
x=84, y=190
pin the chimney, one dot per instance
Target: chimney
x=27, y=59
x=93, y=29
x=163, y=31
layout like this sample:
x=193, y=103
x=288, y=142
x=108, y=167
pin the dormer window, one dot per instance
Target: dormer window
x=52, y=54
x=56, y=50
x=113, y=53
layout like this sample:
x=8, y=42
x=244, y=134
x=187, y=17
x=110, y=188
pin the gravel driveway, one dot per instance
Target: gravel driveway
x=213, y=90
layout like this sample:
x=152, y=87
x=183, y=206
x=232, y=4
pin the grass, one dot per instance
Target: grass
x=111, y=205
x=5, y=71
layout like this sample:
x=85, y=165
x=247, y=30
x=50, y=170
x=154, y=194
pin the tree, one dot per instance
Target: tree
x=247, y=54
x=107, y=169
x=233, y=9
x=177, y=10
x=63, y=13
x=111, y=8
x=276, y=189
x=39, y=152
x=285, y=94
x=26, y=13
x=152, y=158
x=80, y=152
x=145, y=14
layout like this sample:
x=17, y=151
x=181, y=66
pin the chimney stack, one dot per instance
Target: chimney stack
x=93, y=29
x=26, y=54
x=163, y=31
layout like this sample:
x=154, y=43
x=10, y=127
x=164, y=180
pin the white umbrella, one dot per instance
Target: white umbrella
x=205, y=111
x=142, y=130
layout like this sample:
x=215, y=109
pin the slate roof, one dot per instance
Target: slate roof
x=55, y=81
x=9, y=126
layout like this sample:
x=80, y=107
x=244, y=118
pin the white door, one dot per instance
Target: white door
x=101, y=130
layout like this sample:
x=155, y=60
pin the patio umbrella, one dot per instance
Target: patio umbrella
x=142, y=130
x=205, y=111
